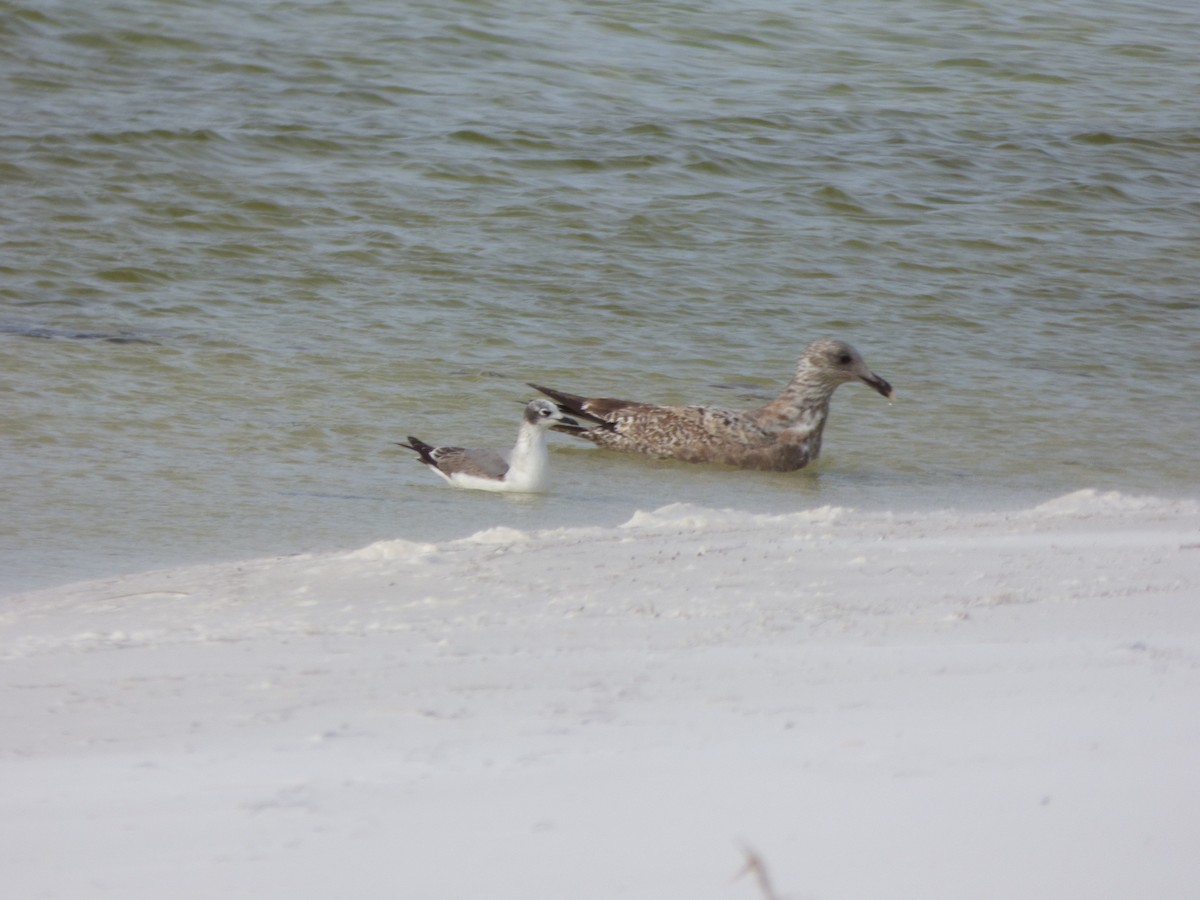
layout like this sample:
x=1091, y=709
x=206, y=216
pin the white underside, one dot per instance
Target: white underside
x=475, y=483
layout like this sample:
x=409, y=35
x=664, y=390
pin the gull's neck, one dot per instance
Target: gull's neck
x=804, y=403
x=527, y=465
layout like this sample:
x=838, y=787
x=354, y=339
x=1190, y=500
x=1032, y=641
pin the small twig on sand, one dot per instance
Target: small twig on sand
x=756, y=867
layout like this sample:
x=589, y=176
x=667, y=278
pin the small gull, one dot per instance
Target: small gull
x=521, y=469
x=781, y=436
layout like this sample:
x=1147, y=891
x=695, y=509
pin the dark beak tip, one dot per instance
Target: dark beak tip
x=881, y=386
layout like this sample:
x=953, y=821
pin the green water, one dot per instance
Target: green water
x=245, y=246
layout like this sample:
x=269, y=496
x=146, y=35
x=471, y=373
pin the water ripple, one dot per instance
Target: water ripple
x=231, y=233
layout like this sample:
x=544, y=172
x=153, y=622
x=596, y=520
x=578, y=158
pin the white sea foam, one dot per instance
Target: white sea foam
x=498, y=535
x=392, y=550
x=1090, y=502
x=685, y=516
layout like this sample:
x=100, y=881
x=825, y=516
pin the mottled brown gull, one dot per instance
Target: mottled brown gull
x=781, y=436
x=521, y=469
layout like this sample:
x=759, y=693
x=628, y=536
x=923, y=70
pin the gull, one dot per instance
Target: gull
x=781, y=436
x=522, y=469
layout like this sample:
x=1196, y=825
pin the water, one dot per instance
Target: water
x=245, y=246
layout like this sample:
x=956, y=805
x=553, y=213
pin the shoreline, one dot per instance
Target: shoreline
x=888, y=705
x=1023, y=502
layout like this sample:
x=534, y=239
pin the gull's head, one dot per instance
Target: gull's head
x=543, y=413
x=837, y=363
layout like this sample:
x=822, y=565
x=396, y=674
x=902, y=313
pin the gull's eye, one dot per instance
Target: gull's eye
x=544, y=412
x=844, y=359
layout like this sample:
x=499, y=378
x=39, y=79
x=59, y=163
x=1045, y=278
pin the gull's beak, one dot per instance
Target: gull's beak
x=567, y=420
x=876, y=383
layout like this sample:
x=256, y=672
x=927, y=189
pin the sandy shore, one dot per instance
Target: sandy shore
x=882, y=706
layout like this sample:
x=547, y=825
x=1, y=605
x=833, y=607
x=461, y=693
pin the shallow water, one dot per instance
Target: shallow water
x=246, y=246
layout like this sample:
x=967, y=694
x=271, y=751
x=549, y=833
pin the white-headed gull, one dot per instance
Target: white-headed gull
x=521, y=469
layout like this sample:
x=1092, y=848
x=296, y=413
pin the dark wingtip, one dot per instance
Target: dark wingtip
x=420, y=447
x=567, y=403
x=557, y=396
x=569, y=426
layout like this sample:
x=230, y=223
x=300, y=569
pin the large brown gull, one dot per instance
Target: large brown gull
x=781, y=436
x=521, y=469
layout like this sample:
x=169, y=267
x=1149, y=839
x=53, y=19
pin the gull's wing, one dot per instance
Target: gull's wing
x=477, y=463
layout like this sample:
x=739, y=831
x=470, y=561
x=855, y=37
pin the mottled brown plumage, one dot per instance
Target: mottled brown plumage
x=780, y=436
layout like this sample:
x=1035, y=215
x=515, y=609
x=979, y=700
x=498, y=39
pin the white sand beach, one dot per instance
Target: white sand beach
x=880, y=706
